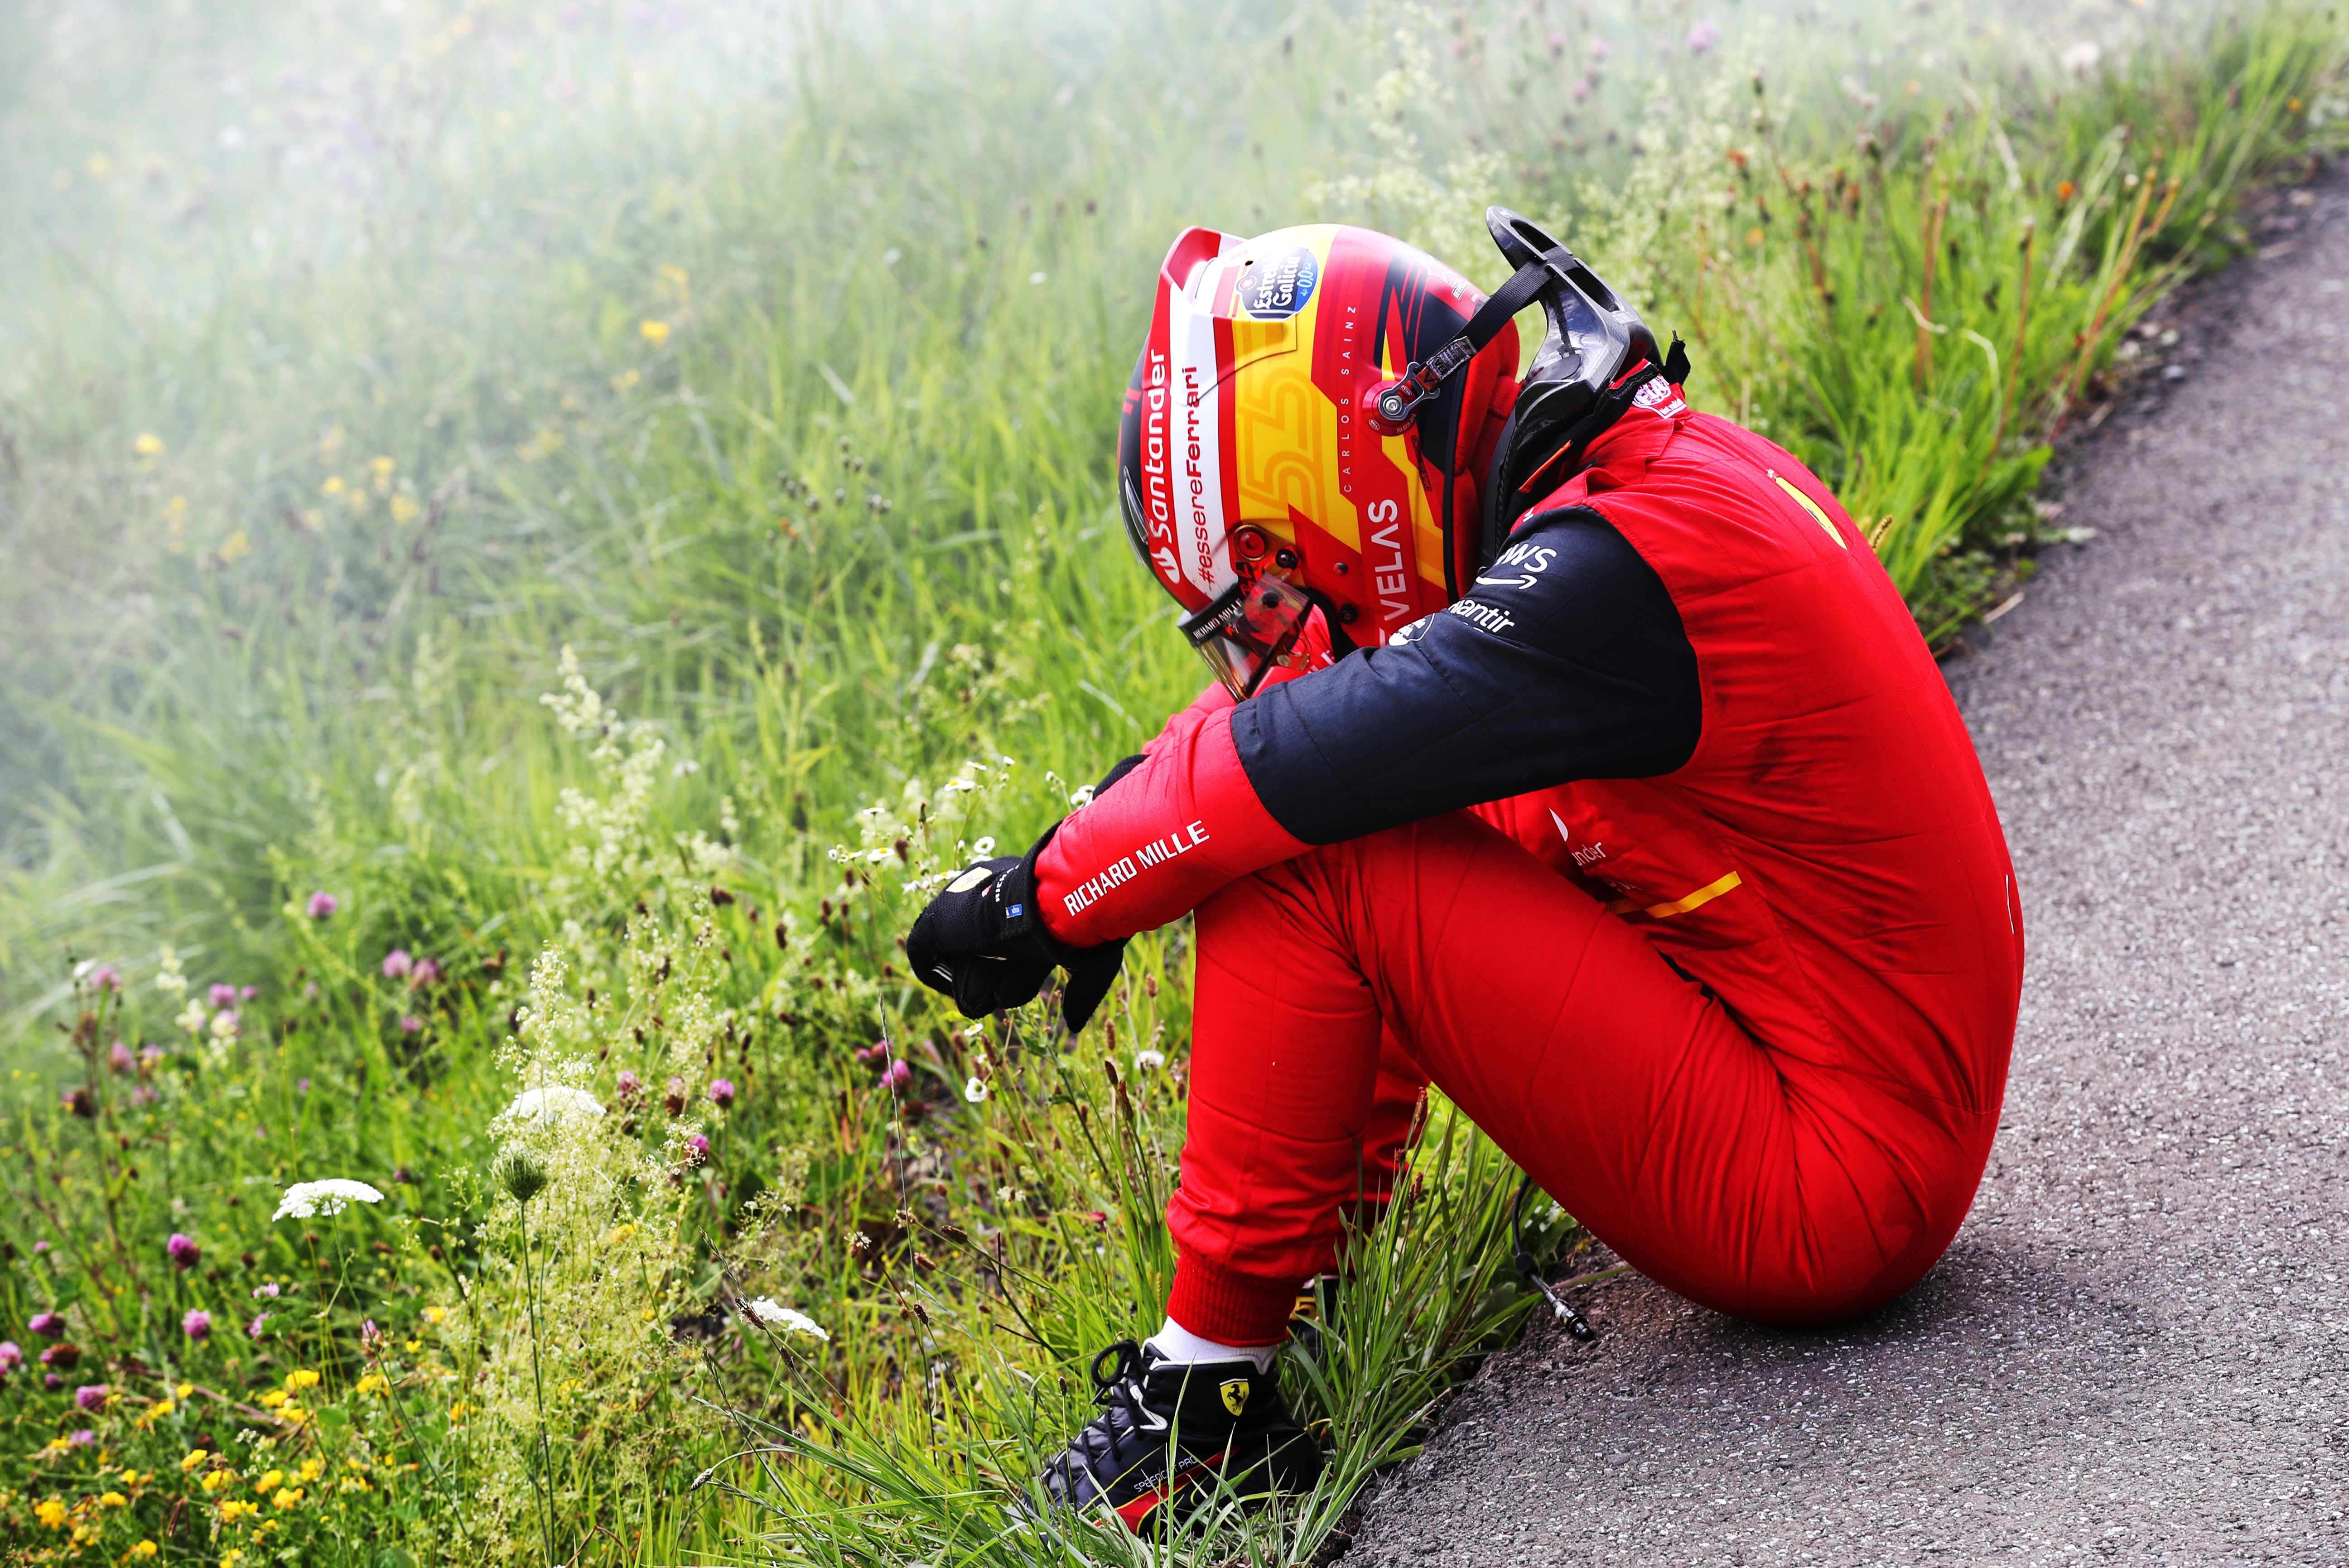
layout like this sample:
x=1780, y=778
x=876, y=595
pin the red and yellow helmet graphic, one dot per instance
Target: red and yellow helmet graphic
x=1245, y=452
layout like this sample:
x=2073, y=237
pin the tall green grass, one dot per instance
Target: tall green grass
x=770, y=364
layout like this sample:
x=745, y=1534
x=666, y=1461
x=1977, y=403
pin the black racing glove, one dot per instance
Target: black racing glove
x=982, y=940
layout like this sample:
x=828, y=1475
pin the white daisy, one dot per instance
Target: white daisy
x=304, y=1199
x=788, y=1319
x=556, y=1103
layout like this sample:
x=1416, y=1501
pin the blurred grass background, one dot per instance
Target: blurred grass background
x=358, y=360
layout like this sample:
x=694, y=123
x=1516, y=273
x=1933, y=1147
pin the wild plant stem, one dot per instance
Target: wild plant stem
x=539, y=1483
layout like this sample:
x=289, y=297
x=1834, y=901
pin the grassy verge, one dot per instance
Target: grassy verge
x=776, y=381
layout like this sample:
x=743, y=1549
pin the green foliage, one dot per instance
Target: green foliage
x=619, y=510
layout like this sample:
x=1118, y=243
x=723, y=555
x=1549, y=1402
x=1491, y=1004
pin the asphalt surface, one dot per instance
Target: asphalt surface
x=2138, y=1350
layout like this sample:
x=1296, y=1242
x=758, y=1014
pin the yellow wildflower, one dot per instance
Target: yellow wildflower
x=414, y=1346
x=276, y=1398
x=236, y=546
x=287, y=1497
x=302, y=1377
x=436, y=1316
x=381, y=469
x=112, y=1500
x=142, y=1550
x=458, y=1412
x=675, y=276
x=157, y=1411
x=311, y=1468
x=334, y=485
x=654, y=332
x=404, y=509
x=235, y=1509
x=148, y=445
x=232, y=1559
x=374, y=1383
x=619, y=1235
x=57, y=1446
x=184, y=1389
x=353, y=1483
x=270, y=1482
x=215, y=1480
x=196, y=1457
x=51, y=1512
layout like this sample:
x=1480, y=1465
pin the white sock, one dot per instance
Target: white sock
x=1180, y=1346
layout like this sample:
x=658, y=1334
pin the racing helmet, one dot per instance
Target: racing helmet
x=1310, y=425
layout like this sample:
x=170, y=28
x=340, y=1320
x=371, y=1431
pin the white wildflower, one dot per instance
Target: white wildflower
x=223, y=1025
x=788, y=1319
x=169, y=977
x=974, y=1090
x=983, y=847
x=192, y=1017
x=2081, y=59
x=304, y=1199
x=558, y=1102
x=1082, y=798
x=1146, y=1060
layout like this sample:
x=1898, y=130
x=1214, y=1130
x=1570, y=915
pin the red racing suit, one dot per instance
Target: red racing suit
x=1748, y=1019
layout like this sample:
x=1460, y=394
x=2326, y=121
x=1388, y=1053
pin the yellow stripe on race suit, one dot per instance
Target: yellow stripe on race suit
x=1704, y=895
x=1811, y=506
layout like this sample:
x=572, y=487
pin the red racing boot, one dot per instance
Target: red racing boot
x=1171, y=1433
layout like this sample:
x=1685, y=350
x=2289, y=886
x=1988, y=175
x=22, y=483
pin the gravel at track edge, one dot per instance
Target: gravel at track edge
x=2138, y=1350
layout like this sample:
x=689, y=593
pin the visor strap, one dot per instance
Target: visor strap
x=1422, y=381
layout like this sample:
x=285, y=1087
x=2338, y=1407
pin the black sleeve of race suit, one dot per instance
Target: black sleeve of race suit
x=1566, y=660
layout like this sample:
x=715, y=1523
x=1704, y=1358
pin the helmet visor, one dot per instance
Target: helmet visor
x=1250, y=626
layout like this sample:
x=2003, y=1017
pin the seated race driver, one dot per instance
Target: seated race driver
x=1571, y=751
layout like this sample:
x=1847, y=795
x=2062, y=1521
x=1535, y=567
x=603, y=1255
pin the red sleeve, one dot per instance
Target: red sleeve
x=1214, y=699
x=1163, y=838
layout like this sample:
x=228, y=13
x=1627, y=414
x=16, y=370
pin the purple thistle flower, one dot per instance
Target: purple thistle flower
x=409, y=1023
x=197, y=1324
x=629, y=1088
x=247, y=992
x=301, y=1086
x=82, y=1439
x=264, y=1292
x=144, y=1094
x=119, y=1057
x=91, y=1395
x=11, y=1356
x=52, y=1382
x=323, y=906
x=721, y=1092
x=183, y=1251
x=223, y=996
x=900, y=1072
x=259, y=1322
x=397, y=963
x=1702, y=36
x=47, y=1325
x=64, y=1357
x=105, y=976
x=696, y=1149
x=424, y=972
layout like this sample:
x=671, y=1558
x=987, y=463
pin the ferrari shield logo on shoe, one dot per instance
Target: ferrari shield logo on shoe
x=1236, y=1393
